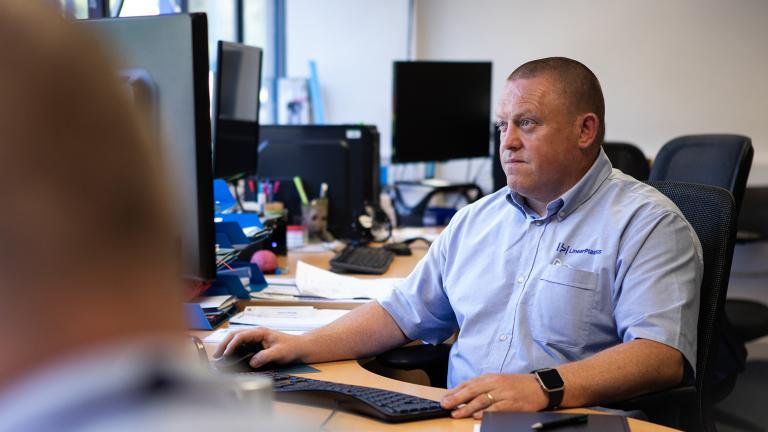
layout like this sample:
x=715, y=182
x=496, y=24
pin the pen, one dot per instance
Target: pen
x=570, y=420
x=300, y=189
x=323, y=189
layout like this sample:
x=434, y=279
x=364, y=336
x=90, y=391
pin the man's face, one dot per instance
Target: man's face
x=539, y=149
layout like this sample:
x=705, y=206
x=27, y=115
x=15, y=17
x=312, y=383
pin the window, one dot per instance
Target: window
x=248, y=21
x=145, y=7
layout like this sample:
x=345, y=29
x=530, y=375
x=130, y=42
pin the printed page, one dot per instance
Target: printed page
x=314, y=281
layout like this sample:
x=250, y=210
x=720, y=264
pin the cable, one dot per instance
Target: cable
x=336, y=406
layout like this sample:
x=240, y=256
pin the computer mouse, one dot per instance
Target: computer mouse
x=239, y=359
x=400, y=249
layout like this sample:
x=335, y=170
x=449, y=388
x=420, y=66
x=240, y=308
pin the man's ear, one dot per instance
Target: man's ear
x=588, y=125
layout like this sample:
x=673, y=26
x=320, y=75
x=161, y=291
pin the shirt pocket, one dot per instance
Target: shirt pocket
x=562, y=306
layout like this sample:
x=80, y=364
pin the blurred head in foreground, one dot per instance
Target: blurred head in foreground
x=90, y=313
x=83, y=238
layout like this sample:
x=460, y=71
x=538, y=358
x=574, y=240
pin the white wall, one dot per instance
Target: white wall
x=667, y=68
x=354, y=43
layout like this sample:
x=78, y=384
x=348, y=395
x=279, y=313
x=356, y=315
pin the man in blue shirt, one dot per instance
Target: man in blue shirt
x=575, y=270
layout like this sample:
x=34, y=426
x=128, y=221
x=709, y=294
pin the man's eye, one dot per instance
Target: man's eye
x=526, y=123
x=502, y=125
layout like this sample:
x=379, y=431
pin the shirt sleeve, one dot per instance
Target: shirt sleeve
x=420, y=306
x=659, y=274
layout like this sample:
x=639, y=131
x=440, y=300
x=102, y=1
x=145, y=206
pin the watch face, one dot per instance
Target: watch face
x=550, y=378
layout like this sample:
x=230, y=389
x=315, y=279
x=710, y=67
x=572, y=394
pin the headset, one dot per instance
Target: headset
x=371, y=224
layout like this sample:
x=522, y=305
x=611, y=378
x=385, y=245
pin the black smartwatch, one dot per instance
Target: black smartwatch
x=552, y=384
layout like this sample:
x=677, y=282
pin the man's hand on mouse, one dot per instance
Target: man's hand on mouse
x=278, y=347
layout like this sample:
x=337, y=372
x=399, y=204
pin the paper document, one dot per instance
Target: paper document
x=272, y=280
x=300, y=318
x=215, y=302
x=316, y=282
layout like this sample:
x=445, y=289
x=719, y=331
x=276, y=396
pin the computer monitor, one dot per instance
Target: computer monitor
x=315, y=162
x=441, y=111
x=363, y=142
x=236, y=111
x=172, y=50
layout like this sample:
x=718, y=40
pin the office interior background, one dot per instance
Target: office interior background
x=668, y=68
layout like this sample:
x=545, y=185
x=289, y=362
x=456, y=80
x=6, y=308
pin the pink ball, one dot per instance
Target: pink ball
x=266, y=260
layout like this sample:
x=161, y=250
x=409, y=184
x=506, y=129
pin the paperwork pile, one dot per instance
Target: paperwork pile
x=314, y=282
x=294, y=319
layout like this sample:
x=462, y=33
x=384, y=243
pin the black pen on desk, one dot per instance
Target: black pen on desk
x=565, y=421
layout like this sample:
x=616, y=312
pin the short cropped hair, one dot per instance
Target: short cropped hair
x=578, y=84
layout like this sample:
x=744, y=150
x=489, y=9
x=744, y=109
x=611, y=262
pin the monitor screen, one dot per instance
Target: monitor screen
x=171, y=53
x=236, y=110
x=441, y=111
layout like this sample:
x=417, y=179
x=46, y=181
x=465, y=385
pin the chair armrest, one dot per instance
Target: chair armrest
x=432, y=359
x=674, y=408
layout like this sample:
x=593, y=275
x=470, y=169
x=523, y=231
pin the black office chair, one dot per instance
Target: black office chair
x=715, y=160
x=749, y=319
x=711, y=211
x=628, y=158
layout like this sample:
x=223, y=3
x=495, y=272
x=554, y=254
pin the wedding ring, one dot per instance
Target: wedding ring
x=490, y=398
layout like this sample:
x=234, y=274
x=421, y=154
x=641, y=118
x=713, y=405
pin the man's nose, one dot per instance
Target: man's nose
x=510, y=139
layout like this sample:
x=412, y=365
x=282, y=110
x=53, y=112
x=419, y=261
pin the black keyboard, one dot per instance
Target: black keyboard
x=362, y=259
x=389, y=406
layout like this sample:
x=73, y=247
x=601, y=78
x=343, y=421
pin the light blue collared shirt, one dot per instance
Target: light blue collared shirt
x=612, y=261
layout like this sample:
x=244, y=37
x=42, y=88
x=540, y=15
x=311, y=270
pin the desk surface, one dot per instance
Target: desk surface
x=401, y=267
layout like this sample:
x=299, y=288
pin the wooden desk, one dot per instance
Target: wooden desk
x=400, y=268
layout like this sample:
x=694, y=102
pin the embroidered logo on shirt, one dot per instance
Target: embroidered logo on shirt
x=567, y=249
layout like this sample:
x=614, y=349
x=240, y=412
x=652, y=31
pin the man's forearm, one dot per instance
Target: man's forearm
x=364, y=331
x=619, y=373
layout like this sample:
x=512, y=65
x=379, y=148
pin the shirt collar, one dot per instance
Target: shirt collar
x=573, y=197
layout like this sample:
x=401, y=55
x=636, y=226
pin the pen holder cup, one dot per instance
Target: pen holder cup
x=314, y=217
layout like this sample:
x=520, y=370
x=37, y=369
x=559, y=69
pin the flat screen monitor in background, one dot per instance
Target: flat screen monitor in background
x=315, y=162
x=236, y=111
x=363, y=142
x=441, y=111
x=172, y=52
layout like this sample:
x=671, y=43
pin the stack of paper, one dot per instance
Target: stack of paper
x=314, y=282
x=297, y=318
x=215, y=303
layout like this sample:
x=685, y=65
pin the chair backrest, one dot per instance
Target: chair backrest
x=711, y=211
x=628, y=158
x=716, y=160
